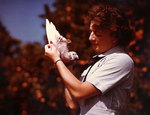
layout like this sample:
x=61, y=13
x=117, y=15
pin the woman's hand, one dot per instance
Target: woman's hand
x=52, y=52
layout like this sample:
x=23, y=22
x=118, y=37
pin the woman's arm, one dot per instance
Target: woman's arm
x=77, y=89
x=72, y=103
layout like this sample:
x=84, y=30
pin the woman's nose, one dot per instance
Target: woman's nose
x=91, y=37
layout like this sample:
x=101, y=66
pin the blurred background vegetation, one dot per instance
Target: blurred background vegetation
x=29, y=81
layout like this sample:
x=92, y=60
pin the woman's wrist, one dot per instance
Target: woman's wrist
x=57, y=61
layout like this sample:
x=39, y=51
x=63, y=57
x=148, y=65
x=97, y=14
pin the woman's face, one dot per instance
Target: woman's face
x=101, y=40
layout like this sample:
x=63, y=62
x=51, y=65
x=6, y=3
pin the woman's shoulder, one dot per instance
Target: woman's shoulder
x=120, y=59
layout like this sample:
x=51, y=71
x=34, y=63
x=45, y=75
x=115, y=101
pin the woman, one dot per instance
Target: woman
x=104, y=87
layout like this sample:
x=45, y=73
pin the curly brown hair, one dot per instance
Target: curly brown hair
x=112, y=19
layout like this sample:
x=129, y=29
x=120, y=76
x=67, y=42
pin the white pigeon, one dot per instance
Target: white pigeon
x=60, y=42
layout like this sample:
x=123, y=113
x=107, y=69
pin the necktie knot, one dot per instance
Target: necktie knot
x=92, y=62
x=95, y=59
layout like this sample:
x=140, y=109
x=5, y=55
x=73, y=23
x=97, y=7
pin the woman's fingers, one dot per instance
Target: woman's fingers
x=52, y=52
x=49, y=48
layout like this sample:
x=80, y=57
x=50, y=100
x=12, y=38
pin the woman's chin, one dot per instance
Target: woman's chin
x=96, y=49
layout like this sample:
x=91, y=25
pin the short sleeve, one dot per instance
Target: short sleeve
x=112, y=72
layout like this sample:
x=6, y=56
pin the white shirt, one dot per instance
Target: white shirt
x=113, y=76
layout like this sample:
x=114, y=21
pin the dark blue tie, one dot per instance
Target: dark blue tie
x=91, y=63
